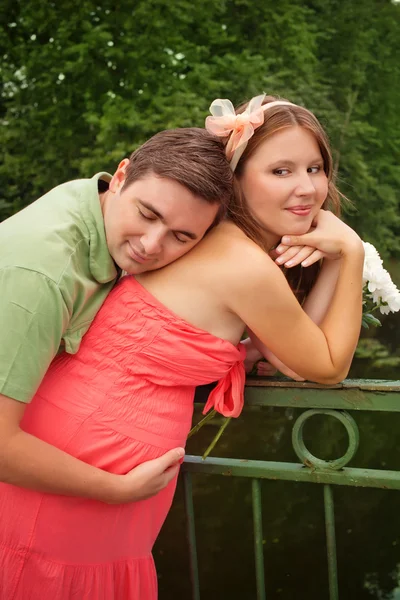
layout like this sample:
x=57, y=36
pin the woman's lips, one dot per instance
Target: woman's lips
x=301, y=211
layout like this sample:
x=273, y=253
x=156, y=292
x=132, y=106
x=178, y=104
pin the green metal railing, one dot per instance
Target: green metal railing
x=354, y=395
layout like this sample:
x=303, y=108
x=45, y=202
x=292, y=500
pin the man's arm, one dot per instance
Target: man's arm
x=33, y=317
x=28, y=462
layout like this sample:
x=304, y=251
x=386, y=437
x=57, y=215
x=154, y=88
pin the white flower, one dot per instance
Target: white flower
x=372, y=262
x=378, y=281
x=392, y=297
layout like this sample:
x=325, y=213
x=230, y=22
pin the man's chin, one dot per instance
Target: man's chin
x=138, y=269
x=128, y=267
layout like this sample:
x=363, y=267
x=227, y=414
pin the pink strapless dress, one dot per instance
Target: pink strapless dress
x=124, y=398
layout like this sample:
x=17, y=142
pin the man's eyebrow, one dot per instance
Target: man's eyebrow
x=188, y=234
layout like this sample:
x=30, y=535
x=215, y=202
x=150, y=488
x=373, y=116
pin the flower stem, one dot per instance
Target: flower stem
x=203, y=421
x=217, y=437
x=375, y=308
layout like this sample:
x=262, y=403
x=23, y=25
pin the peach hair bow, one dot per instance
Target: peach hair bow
x=238, y=128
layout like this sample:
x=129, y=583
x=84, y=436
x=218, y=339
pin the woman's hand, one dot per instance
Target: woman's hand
x=304, y=249
x=265, y=369
x=291, y=256
x=253, y=355
x=256, y=350
x=330, y=237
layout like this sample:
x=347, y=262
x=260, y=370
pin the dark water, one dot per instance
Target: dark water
x=367, y=520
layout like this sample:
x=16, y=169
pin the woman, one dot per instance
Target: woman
x=127, y=395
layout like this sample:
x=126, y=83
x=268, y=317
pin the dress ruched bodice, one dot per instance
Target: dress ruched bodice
x=124, y=398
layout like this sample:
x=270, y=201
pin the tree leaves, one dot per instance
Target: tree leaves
x=84, y=84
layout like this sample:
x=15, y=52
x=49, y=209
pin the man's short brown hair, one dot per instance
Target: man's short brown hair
x=192, y=157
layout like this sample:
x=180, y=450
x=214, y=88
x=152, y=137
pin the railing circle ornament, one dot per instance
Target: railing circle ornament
x=318, y=463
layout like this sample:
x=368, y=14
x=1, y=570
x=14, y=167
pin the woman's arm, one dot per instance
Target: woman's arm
x=29, y=462
x=315, y=305
x=266, y=304
x=318, y=300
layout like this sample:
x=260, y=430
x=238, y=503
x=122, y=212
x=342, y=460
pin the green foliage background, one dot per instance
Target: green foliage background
x=82, y=85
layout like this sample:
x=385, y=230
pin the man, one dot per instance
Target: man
x=60, y=257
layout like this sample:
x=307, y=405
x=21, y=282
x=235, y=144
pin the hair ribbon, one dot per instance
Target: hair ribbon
x=224, y=122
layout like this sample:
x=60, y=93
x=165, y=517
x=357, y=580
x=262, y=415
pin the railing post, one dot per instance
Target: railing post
x=258, y=539
x=331, y=543
x=191, y=535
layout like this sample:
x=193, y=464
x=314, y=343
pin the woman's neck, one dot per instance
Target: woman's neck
x=263, y=238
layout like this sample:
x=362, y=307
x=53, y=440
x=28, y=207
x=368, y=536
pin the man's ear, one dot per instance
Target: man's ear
x=118, y=179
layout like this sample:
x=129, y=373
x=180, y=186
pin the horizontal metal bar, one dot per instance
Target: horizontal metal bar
x=350, y=395
x=377, y=385
x=341, y=399
x=357, y=394
x=309, y=398
x=285, y=471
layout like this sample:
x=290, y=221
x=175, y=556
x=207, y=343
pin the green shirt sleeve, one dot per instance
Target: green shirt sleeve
x=33, y=317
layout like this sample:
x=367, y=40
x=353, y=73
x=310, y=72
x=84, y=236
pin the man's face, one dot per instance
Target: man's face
x=153, y=221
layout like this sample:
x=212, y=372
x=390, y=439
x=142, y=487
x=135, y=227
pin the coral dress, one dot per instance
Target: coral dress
x=124, y=398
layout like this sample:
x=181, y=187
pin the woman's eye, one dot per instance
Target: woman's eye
x=281, y=171
x=315, y=169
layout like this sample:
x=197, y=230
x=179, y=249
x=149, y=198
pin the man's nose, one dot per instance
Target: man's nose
x=152, y=241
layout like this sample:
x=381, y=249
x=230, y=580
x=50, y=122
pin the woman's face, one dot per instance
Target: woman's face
x=284, y=182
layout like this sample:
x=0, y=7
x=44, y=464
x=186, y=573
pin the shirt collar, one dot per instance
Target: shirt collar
x=101, y=263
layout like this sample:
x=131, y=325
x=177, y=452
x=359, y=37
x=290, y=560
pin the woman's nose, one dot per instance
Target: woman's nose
x=305, y=185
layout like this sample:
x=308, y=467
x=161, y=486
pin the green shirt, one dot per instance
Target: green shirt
x=55, y=273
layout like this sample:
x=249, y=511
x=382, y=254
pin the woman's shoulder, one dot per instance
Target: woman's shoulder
x=224, y=259
x=227, y=259
x=229, y=243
